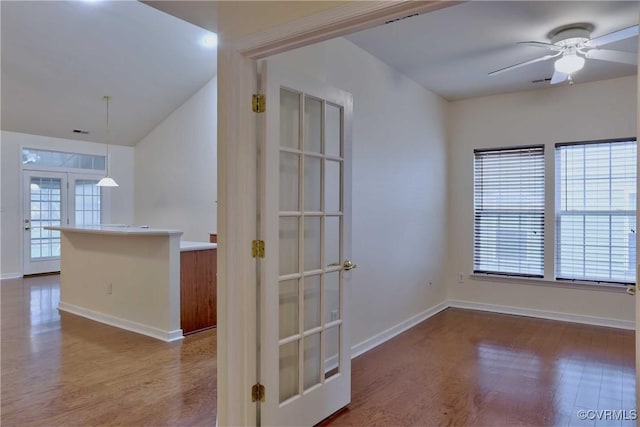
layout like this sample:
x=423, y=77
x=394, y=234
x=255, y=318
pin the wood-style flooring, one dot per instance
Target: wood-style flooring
x=469, y=368
x=459, y=368
x=63, y=370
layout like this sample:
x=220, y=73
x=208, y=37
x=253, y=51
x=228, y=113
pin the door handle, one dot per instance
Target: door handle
x=631, y=290
x=27, y=228
x=348, y=265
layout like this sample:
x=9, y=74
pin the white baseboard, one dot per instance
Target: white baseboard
x=386, y=335
x=7, y=276
x=118, y=322
x=542, y=314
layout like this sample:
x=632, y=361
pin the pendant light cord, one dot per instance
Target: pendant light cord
x=107, y=98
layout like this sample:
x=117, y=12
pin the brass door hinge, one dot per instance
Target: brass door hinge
x=258, y=104
x=257, y=248
x=257, y=393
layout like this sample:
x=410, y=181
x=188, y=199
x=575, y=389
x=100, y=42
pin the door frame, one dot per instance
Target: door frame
x=238, y=180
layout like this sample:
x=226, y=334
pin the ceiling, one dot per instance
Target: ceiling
x=59, y=58
x=451, y=51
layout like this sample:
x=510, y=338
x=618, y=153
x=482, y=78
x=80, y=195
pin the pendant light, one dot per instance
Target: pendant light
x=107, y=181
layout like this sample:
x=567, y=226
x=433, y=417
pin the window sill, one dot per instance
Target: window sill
x=550, y=283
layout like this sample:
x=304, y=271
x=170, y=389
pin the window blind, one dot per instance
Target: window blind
x=596, y=211
x=509, y=211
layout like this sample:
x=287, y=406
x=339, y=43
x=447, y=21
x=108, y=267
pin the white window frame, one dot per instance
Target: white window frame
x=529, y=215
x=599, y=213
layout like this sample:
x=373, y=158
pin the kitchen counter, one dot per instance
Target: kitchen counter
x=118, y=229
x=124, y=276
x=186, y=246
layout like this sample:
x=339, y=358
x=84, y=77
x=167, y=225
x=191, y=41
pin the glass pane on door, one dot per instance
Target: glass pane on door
x=289, y=119
x=312, y=364
x=288, y=370
x=87, y=202
x=46, y=210
x=332, y=352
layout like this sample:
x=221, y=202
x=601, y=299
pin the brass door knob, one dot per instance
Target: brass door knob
x=348, y=265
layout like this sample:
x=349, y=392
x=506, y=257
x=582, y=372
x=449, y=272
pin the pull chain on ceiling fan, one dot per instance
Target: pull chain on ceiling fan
x=572, y=45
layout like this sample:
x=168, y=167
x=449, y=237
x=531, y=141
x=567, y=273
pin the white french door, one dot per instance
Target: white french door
x=305, y=221
x=55, y=199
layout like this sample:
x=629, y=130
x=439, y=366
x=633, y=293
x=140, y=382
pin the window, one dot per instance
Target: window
x=39, y=159
x=509, y=211
x=596, y=211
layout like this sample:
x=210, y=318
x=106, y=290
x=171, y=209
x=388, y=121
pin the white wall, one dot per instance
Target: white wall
x=589, y=111
x=11, y=215
x=175, y=169
x=399, y=183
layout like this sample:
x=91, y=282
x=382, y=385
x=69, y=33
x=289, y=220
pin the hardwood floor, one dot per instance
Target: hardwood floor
x=64, y=370
x=459, y=368
x=468, y=368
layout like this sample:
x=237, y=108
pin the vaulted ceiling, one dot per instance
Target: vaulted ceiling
x=59, y=58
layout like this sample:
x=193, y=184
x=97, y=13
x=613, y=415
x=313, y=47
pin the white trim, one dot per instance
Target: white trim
x=386, y=335
x=237, y=207
x=543, y=314
x=118, y=322
x=8, y=276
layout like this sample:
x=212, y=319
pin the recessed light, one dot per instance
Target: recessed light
x=210, y=40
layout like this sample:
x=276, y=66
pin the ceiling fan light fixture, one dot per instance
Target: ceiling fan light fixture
x=569, y=63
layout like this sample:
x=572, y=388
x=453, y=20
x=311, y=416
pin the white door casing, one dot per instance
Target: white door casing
x=305, y=221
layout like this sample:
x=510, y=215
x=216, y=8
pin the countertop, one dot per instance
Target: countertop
x=118, y=230
x=186, y=246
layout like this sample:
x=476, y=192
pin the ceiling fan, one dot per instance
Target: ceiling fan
x=571, y=44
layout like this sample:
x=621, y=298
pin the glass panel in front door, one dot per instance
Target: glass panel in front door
x=45, y=200
x=87, y=202
x=311, y=163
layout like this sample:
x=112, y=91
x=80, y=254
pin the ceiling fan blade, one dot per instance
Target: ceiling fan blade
x=558, y=77
x=622, y=34
x=613, y=56
x=522, y=64
x=542, y=45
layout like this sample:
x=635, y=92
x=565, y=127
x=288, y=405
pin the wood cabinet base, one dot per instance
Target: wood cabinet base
x=198, y=290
